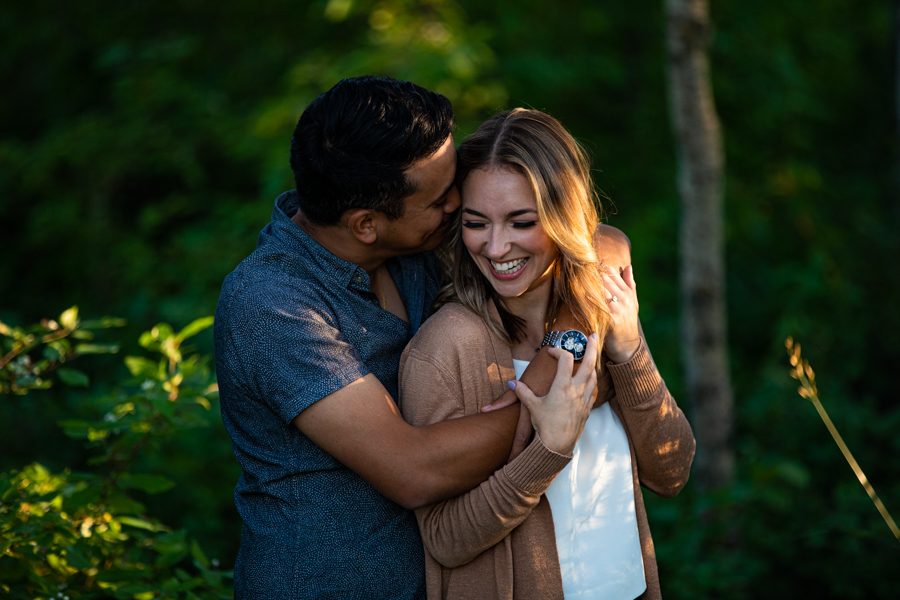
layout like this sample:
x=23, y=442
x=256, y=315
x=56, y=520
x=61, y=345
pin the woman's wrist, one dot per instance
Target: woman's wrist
x=622, y=352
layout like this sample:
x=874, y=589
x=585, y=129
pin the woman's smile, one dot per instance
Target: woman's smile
x=509, y=269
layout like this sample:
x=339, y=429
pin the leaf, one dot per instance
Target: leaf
x=69, y=318
x=139, y=365
x=139, y=523
x=75, y=429
x=152, y=484
x=195, y=327
x=81, y=349
x=76, y=559
x=199, y=556
x=74, y=377
x=103, y=323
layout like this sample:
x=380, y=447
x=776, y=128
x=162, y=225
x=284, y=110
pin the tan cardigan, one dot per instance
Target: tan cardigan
x=497, y=540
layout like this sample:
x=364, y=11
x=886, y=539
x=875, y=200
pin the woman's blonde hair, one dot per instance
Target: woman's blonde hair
x=537, y=146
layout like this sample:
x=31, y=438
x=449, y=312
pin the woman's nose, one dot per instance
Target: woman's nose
x=498, y=244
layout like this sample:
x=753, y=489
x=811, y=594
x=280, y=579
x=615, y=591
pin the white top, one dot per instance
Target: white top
x=592, y=502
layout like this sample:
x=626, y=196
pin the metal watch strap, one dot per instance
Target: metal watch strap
x=551, y=338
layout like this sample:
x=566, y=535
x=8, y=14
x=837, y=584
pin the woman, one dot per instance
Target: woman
x=524, y=254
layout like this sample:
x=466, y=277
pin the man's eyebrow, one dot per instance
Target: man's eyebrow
x=510, y=215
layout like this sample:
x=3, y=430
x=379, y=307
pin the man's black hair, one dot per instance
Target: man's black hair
x=353, y=143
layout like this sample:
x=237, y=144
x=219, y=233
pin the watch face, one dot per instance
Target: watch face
x=573, y=341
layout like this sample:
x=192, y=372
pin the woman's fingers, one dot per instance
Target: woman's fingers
x=565, y=363
x=503, y=401
x=588, y=364
x=628, y=276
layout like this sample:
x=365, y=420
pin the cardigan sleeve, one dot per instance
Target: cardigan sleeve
x=436, y=373
x=663, y=441
x=456, y=531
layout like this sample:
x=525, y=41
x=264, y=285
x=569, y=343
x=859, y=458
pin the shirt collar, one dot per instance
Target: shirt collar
x=284, y=232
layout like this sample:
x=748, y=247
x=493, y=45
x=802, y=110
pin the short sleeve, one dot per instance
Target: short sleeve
x=284, y=347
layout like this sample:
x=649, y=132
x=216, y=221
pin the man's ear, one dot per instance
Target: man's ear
x=362, y=224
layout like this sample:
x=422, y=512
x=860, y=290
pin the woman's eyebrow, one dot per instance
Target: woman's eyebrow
x=520, y=212
x=509, y=215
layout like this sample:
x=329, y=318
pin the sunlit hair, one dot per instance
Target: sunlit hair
x=537, y=146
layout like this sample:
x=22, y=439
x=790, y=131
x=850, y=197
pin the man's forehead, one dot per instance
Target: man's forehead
x=435, y=171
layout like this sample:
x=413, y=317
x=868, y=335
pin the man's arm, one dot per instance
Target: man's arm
x=361, y=427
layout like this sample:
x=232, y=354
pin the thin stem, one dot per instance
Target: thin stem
x=856, y=468
x=804, y=373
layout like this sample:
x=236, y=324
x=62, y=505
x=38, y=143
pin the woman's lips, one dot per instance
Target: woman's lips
x=507, y=275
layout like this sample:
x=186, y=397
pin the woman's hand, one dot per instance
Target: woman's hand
x=624, y=336
x=559, y=417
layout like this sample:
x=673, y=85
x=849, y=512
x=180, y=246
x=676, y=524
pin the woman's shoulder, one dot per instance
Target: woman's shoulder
x=612, y=246
x=453, y=323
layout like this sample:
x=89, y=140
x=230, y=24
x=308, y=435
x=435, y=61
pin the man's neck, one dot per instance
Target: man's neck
x=338, y=240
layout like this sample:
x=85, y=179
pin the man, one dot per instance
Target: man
x=309, y=332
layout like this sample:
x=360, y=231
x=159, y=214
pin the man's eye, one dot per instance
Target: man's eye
x=473, y=225
x=523, y=224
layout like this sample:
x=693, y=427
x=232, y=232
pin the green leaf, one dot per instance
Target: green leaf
x=104, y=323
x=75, y=429
x=69, y=318
x=139, y=365
x=146, y=340
x=152, y=484
x=76, y=559
x=51, y=352
x=81, y=349
x=139, y=523
x=195, y=327
x=74, y=377
x=199, y=556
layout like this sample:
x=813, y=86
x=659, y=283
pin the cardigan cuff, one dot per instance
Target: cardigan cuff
x=537, y=466
x=637, y=380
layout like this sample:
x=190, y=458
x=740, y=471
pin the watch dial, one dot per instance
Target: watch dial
x=574, y=342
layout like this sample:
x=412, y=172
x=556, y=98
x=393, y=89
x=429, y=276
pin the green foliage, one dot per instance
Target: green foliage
x=140, y=153
x=31, y=354
x=84, y=535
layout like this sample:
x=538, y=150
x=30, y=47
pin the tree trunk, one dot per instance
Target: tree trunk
x=700, y=184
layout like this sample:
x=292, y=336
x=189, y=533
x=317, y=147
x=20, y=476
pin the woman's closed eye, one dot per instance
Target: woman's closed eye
x=523, y=224
x=473, y=224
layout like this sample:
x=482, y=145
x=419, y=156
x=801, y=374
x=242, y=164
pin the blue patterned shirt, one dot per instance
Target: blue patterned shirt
x=295, y=323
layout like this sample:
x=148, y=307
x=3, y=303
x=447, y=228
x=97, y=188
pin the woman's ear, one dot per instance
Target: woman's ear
x=362, y=224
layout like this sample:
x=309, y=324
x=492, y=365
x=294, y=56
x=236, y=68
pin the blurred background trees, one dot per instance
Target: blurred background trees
x=142, y=145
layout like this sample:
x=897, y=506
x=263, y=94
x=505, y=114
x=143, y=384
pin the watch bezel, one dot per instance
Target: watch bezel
x=556, y=339
x=579, y=338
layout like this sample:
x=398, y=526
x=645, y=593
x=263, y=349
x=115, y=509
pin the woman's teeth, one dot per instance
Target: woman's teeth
x=509, y=267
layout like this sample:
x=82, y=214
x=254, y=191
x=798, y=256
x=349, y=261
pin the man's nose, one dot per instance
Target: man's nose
x=453, y=201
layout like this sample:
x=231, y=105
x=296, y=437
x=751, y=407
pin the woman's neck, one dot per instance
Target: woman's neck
x=531, y=307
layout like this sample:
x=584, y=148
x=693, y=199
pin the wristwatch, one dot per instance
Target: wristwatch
x=572, y=341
